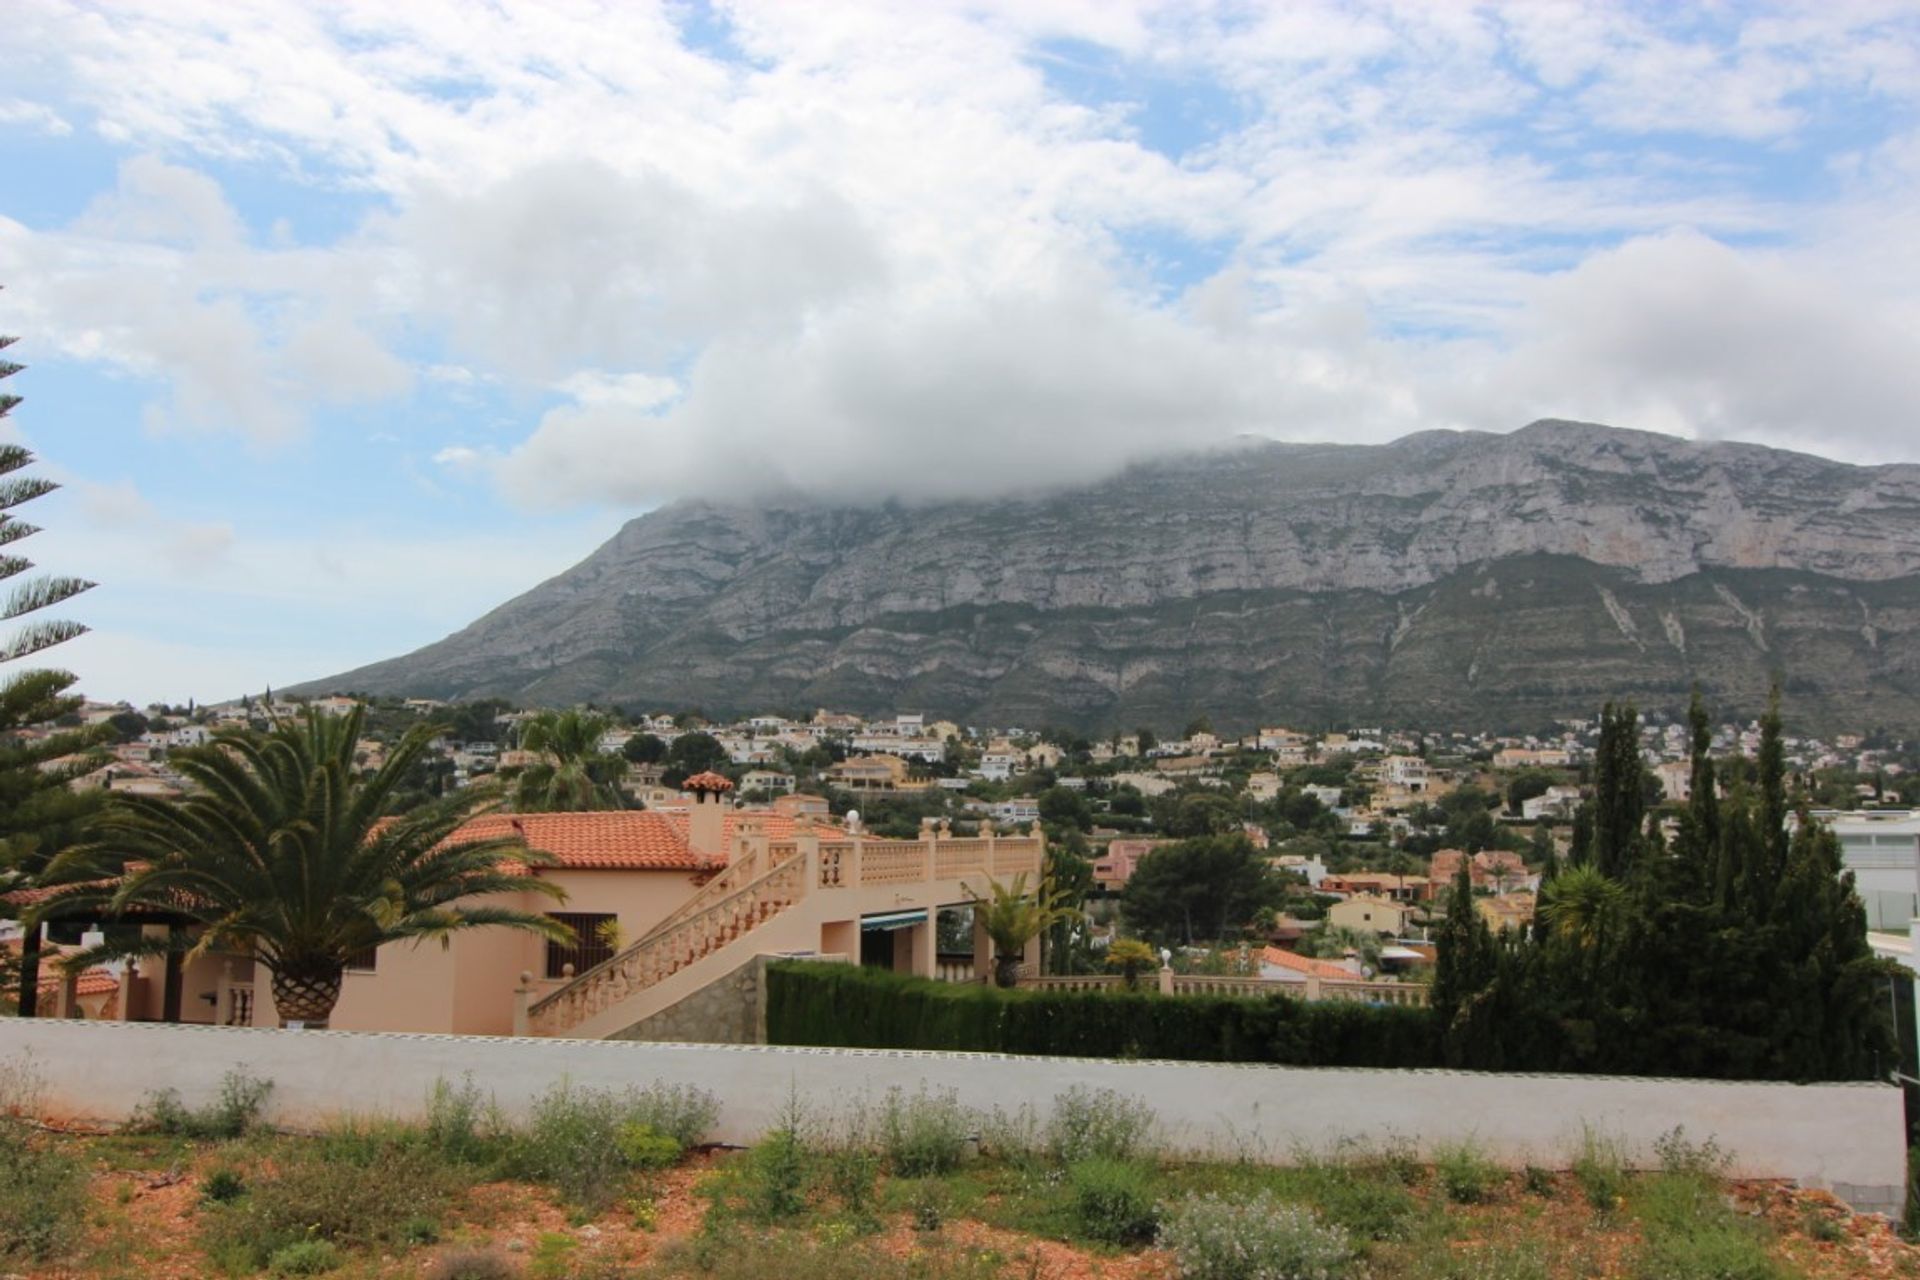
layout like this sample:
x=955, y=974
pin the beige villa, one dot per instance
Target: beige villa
x=662, y=903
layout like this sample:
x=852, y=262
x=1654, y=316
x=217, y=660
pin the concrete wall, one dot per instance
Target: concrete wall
x=1846, y=1137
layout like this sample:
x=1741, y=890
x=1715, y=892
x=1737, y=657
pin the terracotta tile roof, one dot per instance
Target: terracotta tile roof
x=708, y=781
x=618, y=839
x=1307, y=965
x=93, y=982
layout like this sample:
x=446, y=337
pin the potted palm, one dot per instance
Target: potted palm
x=1014, y=917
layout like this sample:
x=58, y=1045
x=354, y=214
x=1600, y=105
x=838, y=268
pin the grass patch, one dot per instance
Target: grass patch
x=43, y=1194
x=308, y=1194
x=586, y=1143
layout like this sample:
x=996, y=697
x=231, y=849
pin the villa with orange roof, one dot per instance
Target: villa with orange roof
x=661, y=903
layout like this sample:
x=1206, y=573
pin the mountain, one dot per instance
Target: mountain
x=1457, y=579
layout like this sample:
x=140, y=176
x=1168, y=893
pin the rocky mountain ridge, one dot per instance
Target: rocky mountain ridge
x=1410, y=581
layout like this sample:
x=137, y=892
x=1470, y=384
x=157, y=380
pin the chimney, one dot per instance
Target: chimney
x=707, y=823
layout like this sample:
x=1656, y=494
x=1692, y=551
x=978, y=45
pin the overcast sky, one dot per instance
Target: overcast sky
x=347, y=321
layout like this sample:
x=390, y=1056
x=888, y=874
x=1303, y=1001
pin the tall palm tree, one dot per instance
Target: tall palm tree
x=284, y=852
x=573, y=773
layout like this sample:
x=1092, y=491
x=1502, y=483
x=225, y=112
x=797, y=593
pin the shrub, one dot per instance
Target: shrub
x=1466, y=1176
x=1538, y=1181
x=1601, y=1171
x=1258, y=1238
x=851, y=1005
x=1097, y=1124
x=304, y=1258
x=43, y=1195
x=924, y=1133
x=642, y=1147
x=1113, y=1201
x=223, y=1186
x=583, y=1142
x=473, y=1264
x=234, y=1111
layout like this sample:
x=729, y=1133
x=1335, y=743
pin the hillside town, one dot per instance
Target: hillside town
x=1365, y=827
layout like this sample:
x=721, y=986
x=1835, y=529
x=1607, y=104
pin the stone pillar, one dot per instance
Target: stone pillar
x=982, y=946
x=926, y=944
x=1166, y=979
x=1031, y=957
x=66, y=996
x=522, y=998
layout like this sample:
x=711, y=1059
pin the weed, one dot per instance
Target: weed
x=304, y=1258
x=552, y=1257
x=223, y=1186
x=460, y=1126
x=777, y=1168
x=1691, y=1233
x=473, y=1264
x=794, y=1256
x=1600, y=1169
x=1097, y=1123
x=584, y=1141
x=923, y=1133
x=1465, y=1174
x=234, y=1111
x=849, y=1176
x=1361, y=1198
x=1258, y=1238
x=1113, y=1200
x=1537, y=1181
x=43, y=1195
x=928, y=1204
x=1679, y=1155
x=1819, y=1227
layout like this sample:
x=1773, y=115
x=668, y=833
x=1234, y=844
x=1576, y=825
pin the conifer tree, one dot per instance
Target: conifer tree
x=37, y=811
x=1619, y=803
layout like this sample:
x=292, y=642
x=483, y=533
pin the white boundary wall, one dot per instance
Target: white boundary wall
x=1843, y=1137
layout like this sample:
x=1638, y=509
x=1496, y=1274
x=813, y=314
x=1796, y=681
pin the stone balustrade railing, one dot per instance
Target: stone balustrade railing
x=665, y=952
x=1195, y=984
x=763, y=883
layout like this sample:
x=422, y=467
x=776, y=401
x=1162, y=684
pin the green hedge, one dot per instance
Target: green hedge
x=848, y=1006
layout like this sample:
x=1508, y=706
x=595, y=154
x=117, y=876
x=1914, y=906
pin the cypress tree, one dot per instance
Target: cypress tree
x=1619, y=802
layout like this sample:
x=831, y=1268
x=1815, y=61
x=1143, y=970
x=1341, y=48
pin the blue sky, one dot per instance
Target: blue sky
x=346, y=324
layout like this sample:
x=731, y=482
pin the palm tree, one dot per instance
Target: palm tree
x=1581, y=903
x=573, y=773
x=286, y=853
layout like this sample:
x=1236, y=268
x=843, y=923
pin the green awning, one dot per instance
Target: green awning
x=893, y=920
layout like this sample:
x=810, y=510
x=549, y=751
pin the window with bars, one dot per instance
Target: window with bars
x=590, y=946
x=363, y=961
